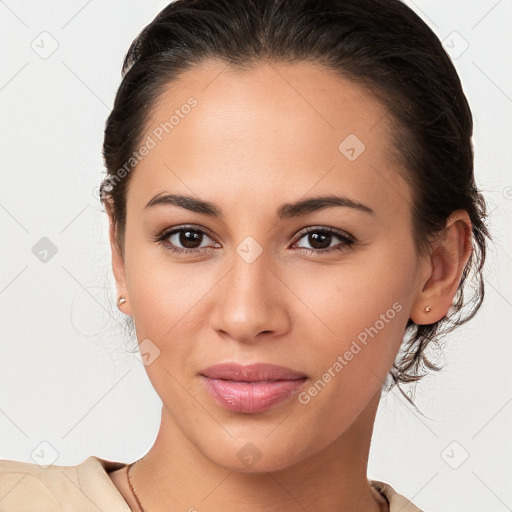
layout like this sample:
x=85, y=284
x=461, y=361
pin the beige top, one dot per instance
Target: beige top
x=87, y=487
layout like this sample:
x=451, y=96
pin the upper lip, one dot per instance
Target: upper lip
x=250, y=372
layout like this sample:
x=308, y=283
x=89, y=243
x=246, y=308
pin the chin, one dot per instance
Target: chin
x=256, y=456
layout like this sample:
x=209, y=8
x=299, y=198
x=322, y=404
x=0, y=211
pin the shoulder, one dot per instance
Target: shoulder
x=23, y=484
x=397, y=502
x=27, y=486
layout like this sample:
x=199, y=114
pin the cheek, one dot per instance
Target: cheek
x=161, y=291
x=164, y=302
x=166, y=308
x=356, y=318
x=350, y=352
x=355, y=332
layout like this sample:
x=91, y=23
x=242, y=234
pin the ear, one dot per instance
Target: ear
x=444, y=269
x=117, y=260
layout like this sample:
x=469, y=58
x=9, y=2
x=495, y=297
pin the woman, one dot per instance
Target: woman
x=293, y=219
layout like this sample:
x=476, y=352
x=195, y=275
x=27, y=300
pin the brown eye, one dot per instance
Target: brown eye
x=320, y=240
x=188, y=239
x=185, y=240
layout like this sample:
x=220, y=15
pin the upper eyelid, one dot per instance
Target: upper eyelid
x=168, y=232
x=333, y=231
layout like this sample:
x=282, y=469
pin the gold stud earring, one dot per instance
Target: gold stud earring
x=427, y=309
x=120, y=301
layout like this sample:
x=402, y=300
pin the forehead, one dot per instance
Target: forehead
x=262, y=132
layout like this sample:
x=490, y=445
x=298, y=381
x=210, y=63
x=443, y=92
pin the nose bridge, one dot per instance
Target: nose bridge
x=249, y=303
x=249, y=279
x=251, y=259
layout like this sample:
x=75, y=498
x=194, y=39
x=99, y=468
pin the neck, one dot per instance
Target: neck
x=175, y=475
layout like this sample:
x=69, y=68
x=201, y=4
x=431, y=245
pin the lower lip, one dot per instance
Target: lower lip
x=251, y=397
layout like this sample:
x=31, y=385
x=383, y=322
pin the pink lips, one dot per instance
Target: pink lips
x=251, y=388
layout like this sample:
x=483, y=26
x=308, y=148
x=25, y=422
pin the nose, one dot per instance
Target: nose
x=250, y=303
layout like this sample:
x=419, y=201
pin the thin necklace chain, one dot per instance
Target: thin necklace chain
x=139, y=504
x=385, y=506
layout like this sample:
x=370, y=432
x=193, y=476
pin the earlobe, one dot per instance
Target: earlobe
x=447, y=262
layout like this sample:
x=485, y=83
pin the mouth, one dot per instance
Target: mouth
x=251, y=388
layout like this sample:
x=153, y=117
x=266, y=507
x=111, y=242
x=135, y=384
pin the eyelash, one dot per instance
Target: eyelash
x=347, y=240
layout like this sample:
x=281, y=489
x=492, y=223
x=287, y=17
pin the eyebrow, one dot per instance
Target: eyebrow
x=285, y=211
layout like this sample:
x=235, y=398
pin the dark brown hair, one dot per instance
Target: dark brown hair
x=383, y=46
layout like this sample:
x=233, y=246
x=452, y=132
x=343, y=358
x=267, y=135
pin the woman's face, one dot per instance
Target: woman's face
x=268, y=282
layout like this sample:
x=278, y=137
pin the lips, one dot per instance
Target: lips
x=251, y=388
x=250, y=373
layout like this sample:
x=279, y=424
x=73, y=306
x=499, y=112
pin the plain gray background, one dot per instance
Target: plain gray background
x=70, y=387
